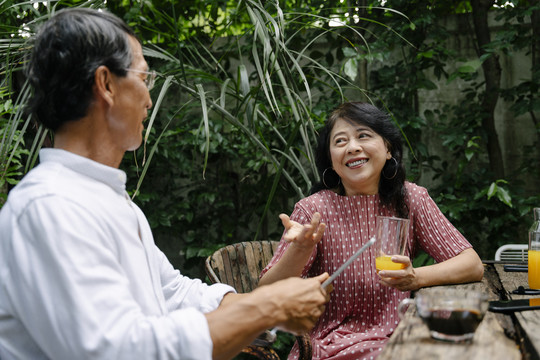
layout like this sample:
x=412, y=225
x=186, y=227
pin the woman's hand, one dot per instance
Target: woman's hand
x=303, y=236
x=464, y=267
x=403, y=280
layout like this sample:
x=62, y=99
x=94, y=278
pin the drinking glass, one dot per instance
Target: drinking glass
x=391, y=239
x=534, y=251
x=450, y=314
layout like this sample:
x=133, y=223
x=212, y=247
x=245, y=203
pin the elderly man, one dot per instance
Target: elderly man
x=80, y=275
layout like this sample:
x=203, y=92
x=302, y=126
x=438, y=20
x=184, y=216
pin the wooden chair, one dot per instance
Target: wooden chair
x=239, y=265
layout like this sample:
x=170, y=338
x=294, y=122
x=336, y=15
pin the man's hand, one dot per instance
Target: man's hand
x=293, y=305
x=303, y=302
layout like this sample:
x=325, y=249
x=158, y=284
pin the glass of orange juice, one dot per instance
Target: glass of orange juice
x=391, y=239
x=534, y=251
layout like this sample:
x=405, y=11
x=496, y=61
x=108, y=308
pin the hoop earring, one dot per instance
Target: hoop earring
x=324, y=182
x=395, y=172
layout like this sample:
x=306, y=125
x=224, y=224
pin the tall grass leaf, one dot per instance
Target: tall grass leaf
x=263, y=66
x=157, y=105
x=223, y=92
x=243, y=84
x=39, y=139
x=202, y=97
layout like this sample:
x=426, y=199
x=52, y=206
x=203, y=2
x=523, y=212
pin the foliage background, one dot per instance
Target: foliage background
x=245, y=85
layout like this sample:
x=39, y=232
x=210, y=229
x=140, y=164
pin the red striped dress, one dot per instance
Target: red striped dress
x=362, y=314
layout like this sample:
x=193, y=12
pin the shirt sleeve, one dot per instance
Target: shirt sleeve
x=68, y=289
x=181, y=292
x=432, y=230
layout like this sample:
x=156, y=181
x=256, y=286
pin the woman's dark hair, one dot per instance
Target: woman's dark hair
x=65, y=55
x=392, y=192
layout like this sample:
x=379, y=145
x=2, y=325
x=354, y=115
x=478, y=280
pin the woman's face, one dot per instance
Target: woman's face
x=358, y=156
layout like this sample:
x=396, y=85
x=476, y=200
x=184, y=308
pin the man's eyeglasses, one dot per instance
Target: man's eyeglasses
x=150, y=77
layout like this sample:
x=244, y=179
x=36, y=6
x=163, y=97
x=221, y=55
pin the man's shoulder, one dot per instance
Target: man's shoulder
x=31, y=184
x=46, y=182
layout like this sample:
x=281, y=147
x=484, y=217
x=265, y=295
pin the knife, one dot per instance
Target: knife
x=348, y=262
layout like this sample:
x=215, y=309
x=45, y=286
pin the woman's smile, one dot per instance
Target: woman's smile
x=356, y=163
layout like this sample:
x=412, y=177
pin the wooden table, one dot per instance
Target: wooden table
x=499, y=336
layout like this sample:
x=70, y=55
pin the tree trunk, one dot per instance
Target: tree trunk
x=492, y=74
x=535, y=22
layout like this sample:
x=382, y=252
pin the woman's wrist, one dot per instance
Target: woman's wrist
x=302, y=249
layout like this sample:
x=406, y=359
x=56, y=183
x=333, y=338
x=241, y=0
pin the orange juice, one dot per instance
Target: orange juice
x=386, y=263
x=534, y=269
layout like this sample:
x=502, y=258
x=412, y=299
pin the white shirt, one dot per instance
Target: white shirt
x=81, y=277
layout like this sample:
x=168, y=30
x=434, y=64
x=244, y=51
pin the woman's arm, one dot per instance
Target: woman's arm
x=457, y=262
x=462, y=268
x=303, y=240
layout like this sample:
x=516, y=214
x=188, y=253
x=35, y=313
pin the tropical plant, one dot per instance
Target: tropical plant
x=245, y=87
x=244, y=90
x=250, y=106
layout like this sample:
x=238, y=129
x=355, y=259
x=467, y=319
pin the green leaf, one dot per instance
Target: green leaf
x=349, y=52
x=427, y=84
x=469, y=154
x=426, y=54
x=7, y=105
x=504, y=196
x=351, y=68
x=191, y=252
x=492, y=190
x=470, y=66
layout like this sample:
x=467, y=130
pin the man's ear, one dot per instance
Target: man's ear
x=104, y=84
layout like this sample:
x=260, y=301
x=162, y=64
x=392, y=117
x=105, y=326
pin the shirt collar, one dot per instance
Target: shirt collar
x=113, y=177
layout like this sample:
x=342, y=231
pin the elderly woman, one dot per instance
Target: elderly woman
x=359, y=159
